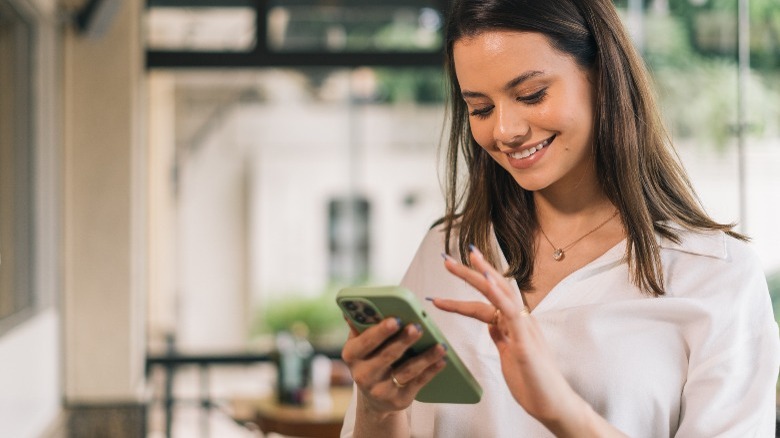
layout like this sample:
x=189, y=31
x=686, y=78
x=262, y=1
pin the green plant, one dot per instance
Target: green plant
x=320, y=316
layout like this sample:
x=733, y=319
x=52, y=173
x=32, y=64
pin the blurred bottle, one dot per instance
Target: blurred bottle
x=321, y=369
x=293, y=360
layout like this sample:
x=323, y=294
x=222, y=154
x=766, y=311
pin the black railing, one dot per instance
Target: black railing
x=171, y=361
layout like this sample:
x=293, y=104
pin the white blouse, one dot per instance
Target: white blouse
x=701, y=361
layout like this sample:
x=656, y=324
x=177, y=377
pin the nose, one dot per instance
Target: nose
x=512, y=127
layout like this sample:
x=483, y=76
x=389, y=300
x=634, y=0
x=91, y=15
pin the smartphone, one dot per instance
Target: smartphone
x=366, y=306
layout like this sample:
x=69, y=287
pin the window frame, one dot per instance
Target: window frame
x=32, y=112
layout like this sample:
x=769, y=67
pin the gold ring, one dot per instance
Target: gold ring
x=525, y=312
x=496, y=316
x=397, y=384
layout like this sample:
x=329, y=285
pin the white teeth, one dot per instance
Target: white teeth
x=530, y=151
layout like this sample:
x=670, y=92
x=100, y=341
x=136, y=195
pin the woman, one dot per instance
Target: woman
x=599, y=299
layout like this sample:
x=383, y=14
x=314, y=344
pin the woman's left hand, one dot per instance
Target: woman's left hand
x=528, y=365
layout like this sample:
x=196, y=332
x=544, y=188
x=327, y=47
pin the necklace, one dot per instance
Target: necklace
x=560, y=253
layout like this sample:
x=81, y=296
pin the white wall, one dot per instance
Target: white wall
x=211, y=228
x=30, y=376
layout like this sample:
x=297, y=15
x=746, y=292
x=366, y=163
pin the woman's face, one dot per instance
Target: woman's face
x=530, y=107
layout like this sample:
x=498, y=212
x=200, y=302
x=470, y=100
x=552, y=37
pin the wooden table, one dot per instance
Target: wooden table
x=298, y=421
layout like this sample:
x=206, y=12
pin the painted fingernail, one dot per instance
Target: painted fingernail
x=472, y=248
x=429, y=299
x=398, y=324
x=418, y=327
x=447, y=257
x=445, y=347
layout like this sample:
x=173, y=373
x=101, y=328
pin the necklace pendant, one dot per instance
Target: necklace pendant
x=558, y=255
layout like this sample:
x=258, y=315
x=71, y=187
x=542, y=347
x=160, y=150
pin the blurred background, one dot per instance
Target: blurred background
x=184, y=186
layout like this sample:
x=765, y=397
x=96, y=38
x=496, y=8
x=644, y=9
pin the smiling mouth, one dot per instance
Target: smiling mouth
x=525, y=153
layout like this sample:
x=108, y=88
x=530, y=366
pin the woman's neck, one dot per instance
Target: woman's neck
x=571, y=207
x=578, y=192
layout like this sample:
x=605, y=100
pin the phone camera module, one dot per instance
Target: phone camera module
x=350, y=305
x=369, y=311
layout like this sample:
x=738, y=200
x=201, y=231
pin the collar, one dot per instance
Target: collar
x=703, y=243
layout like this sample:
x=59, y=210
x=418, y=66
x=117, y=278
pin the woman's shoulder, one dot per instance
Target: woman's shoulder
x=712, y=244
x=713, y=260
x=426, y=271
x=436, y=237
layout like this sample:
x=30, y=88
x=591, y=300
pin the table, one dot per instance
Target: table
x=298, y=421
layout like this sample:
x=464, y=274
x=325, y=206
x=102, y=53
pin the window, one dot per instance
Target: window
x=16, y=168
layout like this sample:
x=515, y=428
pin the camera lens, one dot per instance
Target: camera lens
x=360, y=318
x=369, y=311
x=350, y=305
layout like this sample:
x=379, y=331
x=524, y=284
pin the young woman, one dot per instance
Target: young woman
x=582, y=283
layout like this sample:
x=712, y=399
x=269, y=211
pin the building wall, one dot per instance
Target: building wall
x=30, y=376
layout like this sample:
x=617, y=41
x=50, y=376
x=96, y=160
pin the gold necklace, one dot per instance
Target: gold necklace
x=560, y=253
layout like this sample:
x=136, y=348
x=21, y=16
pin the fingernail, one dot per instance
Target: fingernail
x=445, y=347
x=398, y=323
x=472, y=248
x=446, y=257
x=418, y=327
x=429, y=299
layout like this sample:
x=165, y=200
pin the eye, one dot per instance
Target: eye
x=481, y=113
x=534, y=98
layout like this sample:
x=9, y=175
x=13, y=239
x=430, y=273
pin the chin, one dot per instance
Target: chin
x=531, y=184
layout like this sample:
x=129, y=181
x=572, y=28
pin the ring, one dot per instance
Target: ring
x=397, y=384
x=496, y=316
x=525, y=311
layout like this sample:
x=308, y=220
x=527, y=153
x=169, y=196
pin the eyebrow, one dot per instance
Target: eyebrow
x=509, y=85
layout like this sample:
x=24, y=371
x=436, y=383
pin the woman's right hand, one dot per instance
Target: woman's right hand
x=370, y=356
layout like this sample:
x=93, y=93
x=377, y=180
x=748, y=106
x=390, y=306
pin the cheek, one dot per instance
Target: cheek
x=483, y=135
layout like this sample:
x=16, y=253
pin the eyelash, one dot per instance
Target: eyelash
x=531, y=99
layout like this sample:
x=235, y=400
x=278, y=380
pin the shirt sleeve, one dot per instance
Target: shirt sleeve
x=733, y=368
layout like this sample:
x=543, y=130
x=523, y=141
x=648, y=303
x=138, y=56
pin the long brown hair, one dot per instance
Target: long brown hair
x=636, y=164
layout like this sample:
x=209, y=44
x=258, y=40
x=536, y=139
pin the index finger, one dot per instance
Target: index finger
x=483, y=282
x=363, y=344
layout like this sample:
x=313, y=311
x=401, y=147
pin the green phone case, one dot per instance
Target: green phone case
x=454, y=383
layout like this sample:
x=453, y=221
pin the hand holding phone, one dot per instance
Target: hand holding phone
x=366, y=306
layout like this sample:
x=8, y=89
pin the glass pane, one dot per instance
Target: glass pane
x=201, y=29
x=359, y=28
x=16, y=201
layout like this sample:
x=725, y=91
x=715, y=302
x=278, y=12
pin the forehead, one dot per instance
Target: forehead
x=503, y=54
